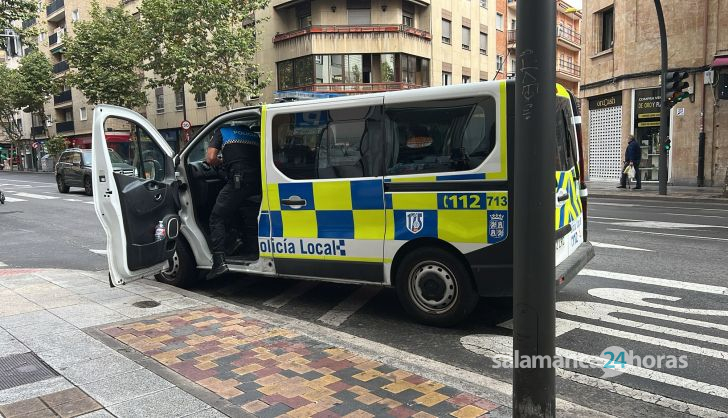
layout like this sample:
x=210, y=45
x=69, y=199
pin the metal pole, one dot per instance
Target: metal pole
x=534, y=205
x=664, y=110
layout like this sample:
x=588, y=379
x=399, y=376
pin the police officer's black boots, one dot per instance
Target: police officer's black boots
x=219, y=267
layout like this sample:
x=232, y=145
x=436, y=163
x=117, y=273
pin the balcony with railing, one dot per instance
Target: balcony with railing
x=64, y=126
x=28, y=23
x=60, y=67
x=511, y=36
x=353, y=29
x=56, y=38
x=568, y=37
x=54, y=7
x=62, y=97
x=36, y=130
x=568, y=70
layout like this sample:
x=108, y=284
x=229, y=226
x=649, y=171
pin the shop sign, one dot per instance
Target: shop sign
x=605, y=101
x=647, y=104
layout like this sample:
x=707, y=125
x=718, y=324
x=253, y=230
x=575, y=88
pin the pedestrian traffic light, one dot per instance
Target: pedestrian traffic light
x=674, y=86
x=667, y=144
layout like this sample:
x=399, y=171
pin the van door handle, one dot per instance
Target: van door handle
x=294, y=201
x=561, y=197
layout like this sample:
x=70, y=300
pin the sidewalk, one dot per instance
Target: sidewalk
x=649, y=191
x=71, y=346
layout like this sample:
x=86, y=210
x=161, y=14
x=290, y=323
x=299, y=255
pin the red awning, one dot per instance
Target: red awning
x=720, y=62
x=117, y=137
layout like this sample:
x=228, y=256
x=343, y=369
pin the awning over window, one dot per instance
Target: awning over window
x=720, y=62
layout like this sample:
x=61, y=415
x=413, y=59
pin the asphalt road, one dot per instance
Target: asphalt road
x=657, y=288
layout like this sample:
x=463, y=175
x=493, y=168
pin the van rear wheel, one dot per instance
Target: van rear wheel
x=182, y=268
x=62, y=188
x=435, y=287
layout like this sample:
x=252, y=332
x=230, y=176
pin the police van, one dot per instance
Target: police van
x=408, y=189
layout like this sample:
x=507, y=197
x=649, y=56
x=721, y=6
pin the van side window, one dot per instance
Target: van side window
x=440, y=136
x=327, y=144
x=565, y=137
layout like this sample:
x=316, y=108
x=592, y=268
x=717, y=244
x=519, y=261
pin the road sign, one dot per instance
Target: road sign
x=680, y=111
x=36, y=145
x=186, y=125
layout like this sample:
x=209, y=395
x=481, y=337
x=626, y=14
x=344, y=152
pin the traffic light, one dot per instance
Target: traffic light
x=667, y=144
x=674, y=86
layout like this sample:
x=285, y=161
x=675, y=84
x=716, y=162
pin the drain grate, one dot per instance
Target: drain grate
x=146, y=304
x=21, y=369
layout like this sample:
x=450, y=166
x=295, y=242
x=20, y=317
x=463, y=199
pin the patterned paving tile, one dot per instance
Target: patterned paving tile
x=272, y=371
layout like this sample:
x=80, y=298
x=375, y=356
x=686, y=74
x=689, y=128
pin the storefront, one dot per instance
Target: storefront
x=646, y=130
x=605, y=136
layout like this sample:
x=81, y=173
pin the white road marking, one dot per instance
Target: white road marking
x=692, y=214
x=631, y=205
x=635, y=297
x=347, y=307
x=28, y=181
x=36, y=196
x=3, y=264
x=666, y=234
x=289, y=294
x=502, y=346
x=99, y=252
x=617, y=247
x=603, y=312
x=89, y=203
x=73, y=200
x=675, y=284
x=12, y=199
x=638, y=223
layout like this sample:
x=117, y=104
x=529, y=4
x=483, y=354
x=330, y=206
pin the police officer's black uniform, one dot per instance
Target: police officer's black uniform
x=241, y=157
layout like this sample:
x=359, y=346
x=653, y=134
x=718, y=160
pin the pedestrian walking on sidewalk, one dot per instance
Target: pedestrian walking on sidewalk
x=632, y=156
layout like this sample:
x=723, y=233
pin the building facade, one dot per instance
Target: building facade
x=568, y=43
x=620, y=87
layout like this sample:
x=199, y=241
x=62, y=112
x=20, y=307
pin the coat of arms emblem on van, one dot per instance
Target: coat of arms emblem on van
x=415, y=221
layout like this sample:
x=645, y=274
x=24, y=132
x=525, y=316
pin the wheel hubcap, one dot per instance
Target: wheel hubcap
x=433, y=287
x=172, y=267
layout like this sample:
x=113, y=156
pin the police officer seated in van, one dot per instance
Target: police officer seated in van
x=241, y=159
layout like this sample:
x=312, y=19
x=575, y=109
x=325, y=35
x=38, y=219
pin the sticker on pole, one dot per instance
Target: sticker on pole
x=186, y=125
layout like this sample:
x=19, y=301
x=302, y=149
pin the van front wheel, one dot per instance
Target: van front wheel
x=435, y=287
x=182, y=268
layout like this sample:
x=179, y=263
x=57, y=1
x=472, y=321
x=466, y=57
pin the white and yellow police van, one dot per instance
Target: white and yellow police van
x=410, y=189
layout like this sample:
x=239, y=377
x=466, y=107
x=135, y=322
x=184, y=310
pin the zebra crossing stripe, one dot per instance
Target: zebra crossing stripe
x=675, y=284
x=289, y=294
x=36, y=196
x=73, y=200
x=341, y=312
x=13, y=199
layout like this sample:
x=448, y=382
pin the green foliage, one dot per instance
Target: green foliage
x=208, y=45
x=9, y=104
x=55, y=145
x=36, y=83
x=16, y=10
x=106, y=56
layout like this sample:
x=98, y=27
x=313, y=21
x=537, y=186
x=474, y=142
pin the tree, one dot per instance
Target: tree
x=9, y=82
x=55, y=145
x=208, y=45
x=12, y=11
x=387, y=72
x=105, y=57
x=35, y=85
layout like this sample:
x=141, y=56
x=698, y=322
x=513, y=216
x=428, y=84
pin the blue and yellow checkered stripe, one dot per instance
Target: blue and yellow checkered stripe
x=336, y=209
x=480, y=217
x=572, y=208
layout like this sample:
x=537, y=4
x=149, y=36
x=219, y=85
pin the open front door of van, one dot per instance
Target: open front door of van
x=135, y=193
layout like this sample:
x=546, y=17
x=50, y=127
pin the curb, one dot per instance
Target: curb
x=656, y=197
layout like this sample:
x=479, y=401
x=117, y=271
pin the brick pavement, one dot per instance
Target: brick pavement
x=272, y=371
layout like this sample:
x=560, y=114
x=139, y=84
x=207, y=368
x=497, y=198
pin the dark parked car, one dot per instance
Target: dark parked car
x=74, y=169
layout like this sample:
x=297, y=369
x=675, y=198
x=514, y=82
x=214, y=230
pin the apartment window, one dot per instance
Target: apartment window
x=513, y=24
x=513, y=65
x=408, y=14
x=466, y=38
x=201, y=99
x=159, y=94
x=446, y=78
x=68, y=115
x=75, y=15
x=179, y=100
x=41, y=37
x=483, y=43
x=359, y=12
x=303, y=14
x=499, y=62
x=499, y=21
x=466, y=79
x=82, y=114
x=446, y=31
x=607, y=21
x=484, y=4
